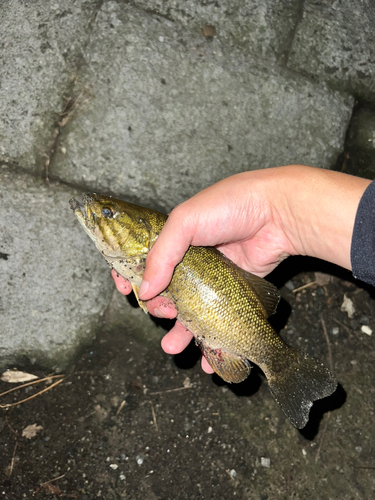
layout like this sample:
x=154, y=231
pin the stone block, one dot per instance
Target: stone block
x=55, y=285
x=262, y=28
x=335, y=42
x=40, y=48
x=172, y=113
x=360, y=144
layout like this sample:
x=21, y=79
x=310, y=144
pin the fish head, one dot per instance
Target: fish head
x=118, y=229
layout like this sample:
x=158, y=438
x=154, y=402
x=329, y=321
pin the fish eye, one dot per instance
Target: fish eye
x=107, y=212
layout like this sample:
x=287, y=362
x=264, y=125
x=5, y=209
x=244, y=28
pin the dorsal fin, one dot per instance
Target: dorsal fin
x=266, y=292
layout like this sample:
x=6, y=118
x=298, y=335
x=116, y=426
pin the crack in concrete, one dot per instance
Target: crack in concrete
x=73, y=101
x=298, y=18
x=71, y=106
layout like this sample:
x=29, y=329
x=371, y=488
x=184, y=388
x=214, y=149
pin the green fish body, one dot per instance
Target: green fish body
x=225, y=307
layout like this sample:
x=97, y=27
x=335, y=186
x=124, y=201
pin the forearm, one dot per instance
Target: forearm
x=322, y=206
x=259, y=218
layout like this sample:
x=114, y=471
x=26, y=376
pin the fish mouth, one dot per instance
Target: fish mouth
x=78, y=208
x=82, y=209
x=84, y=214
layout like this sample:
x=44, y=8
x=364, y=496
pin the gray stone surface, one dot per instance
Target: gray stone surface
x=40, y=48
x=360, y=144
x=335, y=42
x=264, y=28
x=54, y=284
x=172, y=112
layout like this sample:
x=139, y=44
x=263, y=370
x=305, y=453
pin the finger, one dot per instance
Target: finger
x=176, y=340
x=122, y=285
x=205, y=366
x=162, y=307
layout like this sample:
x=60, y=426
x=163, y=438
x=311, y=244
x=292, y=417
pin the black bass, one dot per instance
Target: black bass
x=225, y=307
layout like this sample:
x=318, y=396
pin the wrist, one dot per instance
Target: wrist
x=322, y=206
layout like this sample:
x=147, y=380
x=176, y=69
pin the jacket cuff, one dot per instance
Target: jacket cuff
x=362, y=251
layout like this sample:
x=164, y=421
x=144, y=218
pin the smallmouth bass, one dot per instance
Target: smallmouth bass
x=225, y=307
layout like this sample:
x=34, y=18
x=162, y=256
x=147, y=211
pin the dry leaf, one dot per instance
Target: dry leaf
x=187, y=382
x=348, y=307
x=15, y=376
x=322, y=279
x=51, y=488
x=100, y=413
x=31, y=431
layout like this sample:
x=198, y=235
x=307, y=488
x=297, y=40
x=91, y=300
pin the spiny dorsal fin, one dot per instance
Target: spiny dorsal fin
x=266, y=292
x=229, y=367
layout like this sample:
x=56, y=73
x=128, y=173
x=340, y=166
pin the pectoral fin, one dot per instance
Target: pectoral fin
x=141, y=303
x=229, y=367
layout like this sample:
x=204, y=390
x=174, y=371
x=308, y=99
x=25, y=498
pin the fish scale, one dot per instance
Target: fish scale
x=225, y=307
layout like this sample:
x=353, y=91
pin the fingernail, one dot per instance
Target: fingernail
x=158, y=313
x=143, y=288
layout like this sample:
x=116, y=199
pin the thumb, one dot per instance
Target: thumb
x=168, y=251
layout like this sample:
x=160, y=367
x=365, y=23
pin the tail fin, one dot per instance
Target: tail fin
x=301, y=381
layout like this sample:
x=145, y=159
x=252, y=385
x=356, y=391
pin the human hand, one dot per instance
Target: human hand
x=256, y=219
x=259, y=218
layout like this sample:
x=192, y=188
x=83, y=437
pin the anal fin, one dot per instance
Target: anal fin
x=230, y=367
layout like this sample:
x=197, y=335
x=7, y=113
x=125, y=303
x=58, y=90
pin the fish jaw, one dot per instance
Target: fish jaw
x=85, y=218
x=110, y=233
x=89, y=216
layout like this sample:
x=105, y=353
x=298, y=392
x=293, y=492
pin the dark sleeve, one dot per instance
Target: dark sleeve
x=362, y=252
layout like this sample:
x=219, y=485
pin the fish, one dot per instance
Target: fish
x=225, y=307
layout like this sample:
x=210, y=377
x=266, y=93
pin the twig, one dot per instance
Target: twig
x=317, y=456
x=328, y=342
x=31, y=383
x=348, y=330
x=154, y=417
x=9, y=405
x=120, y=408
x=8, y=424
x=52, y=480
x=171, y=390
x=13, y=458
x=296, y=290
x=324, y=430
x=66, y=114
x=69, y=109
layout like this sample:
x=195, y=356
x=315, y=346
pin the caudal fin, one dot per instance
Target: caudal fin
x=300, y=382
